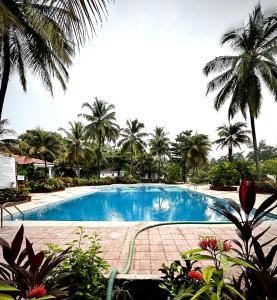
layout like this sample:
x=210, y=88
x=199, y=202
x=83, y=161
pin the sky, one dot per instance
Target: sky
x=147, y=60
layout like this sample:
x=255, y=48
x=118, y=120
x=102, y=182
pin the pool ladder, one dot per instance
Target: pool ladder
x=4, y=208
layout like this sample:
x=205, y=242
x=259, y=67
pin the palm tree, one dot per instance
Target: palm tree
x=42, y=144
x=242, y=74
x=179, y=151
x=77, y=151
x=232, y=135
x=159, y=146
x=7, y=144
x=198, y=148
x=41, y=36
x=101, y=126
x=132, y=140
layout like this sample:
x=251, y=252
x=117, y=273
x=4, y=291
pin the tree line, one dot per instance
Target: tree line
x=97, y=142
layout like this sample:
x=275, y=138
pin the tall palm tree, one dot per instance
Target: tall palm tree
x=77, y=151
x=7, y=144
x=132, y=140
x=159, y=146
x=42, y=144
x=232, y=135
x=198, y=148
x=242, y=74
x=41, y=36
x=101, y=126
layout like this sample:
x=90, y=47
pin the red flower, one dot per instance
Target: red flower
x=227, y=246
x=209, y=243
x=37, y=292
x=195, y=275
x=247, y=196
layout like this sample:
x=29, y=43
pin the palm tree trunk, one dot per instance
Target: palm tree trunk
x=159, y=167
x=230, y=154
x=256, y=153
x=6, y=71
x=131, y=163
x=98, y=157
x=45, y=169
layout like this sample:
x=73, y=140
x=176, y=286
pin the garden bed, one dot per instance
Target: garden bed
x=224, y=188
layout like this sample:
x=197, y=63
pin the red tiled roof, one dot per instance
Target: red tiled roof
x=25, y=160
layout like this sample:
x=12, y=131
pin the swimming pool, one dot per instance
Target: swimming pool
x=132, y=203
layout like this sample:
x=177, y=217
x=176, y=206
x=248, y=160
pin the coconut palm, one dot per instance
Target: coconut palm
x=41, y=36
x=132, y=140
x=242, y=74
x=101, y=126
x=179, y=151
x=198, y=147
x=77, y=151
x=159, y=146
x=42, y=144
x=232, y=135
x=7, y=144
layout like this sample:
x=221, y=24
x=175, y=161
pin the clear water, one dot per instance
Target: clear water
x=140, y=203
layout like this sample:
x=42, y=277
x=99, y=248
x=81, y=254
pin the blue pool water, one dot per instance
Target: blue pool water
x=137, y=203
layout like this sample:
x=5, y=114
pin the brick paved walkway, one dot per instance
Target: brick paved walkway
x=152, y=248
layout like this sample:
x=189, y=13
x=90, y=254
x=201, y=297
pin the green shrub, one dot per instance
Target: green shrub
x=13, y=193
x=266, y=186
x=269, y=167
x=173, y=173
x=86, y=267
x=199, y=177
x=46, y=185
x=224, y=174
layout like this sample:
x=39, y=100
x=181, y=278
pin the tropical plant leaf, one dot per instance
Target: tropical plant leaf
x=208, y=273
x=17, y=242
x=6, y=297
x=200, y=292
x=7, y=288
x=234, y=291
x=240, y=262
x=270, y=256
x=266, y=204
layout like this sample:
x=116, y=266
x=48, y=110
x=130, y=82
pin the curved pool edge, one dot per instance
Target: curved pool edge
x=64, y=196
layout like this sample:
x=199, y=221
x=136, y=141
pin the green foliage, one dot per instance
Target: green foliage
x=23, y=270
x=186, y=282
x=266, y=186
x=245, y=167
x=260, y=282
x=269, y=167
x=86, y=267
x=265, y=151
x=122, y=293
x=173, y=172
x=46, y=185
x=224, y=174
x=13, y=193
x=201, y=176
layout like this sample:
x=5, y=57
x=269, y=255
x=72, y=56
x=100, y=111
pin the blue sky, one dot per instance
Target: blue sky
x=147, y=60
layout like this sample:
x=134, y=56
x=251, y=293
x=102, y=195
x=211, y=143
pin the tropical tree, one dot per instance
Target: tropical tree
x=231, y=136
x=7, y=143
x=42, y=144
x=101, y=126
x=242, y=74
x=159, y=146
x=198, y=148
x=145, y=164
x=77, y=151
x=41, y=36
x=132, y=140
x=265, y=151
x=179, y=151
